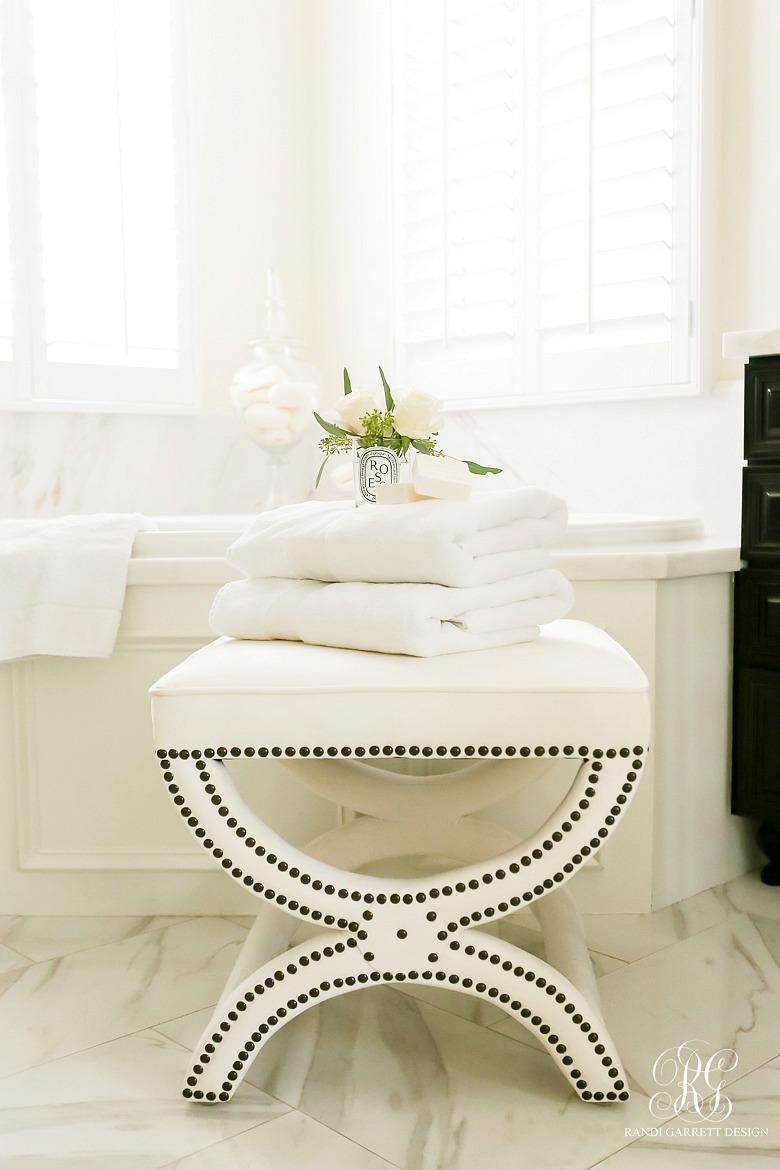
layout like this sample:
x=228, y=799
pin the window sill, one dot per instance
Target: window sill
x=578, y=398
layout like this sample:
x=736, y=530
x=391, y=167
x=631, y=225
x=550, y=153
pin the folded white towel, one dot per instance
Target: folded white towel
x=62, y=584
x=492, y=536
x=418, y=619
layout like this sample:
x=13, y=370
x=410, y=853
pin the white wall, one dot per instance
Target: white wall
x=250, y=145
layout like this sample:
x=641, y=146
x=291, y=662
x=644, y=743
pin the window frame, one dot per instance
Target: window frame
x=29, y=381
x=702, y=178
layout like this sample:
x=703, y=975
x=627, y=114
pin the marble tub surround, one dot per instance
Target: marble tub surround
x=62, y=463
x=377, y=1079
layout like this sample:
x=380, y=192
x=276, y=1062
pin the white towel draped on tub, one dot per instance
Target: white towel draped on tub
x=62, y=584
x=492, y=536
x=418, y=619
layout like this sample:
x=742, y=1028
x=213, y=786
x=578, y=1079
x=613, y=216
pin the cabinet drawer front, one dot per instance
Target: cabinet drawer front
x=762, y=409
x=761, y=515
x=757, y=618
x=755, y=786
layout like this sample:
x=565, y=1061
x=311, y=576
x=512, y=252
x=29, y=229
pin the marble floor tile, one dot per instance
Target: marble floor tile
x=769, y=929
x=81, y=1162
x=64, y=1005
x=119, y=1098
x=638, y=1157
x=749, y=894
x=10, y=960
x=426, y=1090
x=634, y=936
x=294, y=1142
x=721, y=987
x=245, y=920
x=43, y=937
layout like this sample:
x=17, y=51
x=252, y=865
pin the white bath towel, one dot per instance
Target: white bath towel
x=418, y=619
x=62, y=584
x=490, y=537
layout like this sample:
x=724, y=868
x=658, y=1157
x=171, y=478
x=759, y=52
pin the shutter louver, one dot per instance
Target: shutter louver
x=455, y=149
x=557, y=221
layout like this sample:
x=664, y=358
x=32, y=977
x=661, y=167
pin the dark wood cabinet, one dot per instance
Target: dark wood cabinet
x=755, y=789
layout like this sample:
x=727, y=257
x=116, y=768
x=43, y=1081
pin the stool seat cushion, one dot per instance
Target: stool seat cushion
x=573, y=681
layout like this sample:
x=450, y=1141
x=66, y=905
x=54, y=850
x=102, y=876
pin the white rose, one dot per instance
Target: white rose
x=351, y=408
x=416, y=414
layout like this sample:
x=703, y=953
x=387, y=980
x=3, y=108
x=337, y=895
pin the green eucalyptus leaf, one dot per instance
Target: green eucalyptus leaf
x=347, y=383
x=388, y=396
x=319, y=473
x=331, y=428
x=478, y=469
x=421, y=446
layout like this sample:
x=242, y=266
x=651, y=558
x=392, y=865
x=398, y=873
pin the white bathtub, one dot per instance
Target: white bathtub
x=209, y=536
x=86, y=828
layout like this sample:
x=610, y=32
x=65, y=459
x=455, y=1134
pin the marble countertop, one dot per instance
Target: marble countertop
x=747, y=343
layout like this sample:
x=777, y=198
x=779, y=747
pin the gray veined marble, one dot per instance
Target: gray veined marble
x=98, y=1022
x=119, y=1098
x=64, y=1005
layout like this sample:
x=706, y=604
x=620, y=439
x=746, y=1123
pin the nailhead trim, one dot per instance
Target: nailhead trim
x=291, y=751
x=279, y=1014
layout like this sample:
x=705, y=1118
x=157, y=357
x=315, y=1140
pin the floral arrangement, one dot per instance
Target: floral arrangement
x=405, y=423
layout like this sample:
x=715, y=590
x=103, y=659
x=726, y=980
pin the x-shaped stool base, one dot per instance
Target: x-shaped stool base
x=400, y=930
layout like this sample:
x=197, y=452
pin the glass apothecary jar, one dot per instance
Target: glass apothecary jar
x=276, y=394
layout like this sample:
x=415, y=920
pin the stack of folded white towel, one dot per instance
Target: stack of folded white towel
x=423, y=578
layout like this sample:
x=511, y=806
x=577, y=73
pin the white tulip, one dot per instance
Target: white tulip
x=416, y=414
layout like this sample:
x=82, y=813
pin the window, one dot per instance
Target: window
x=92, y=240
x=543, y=223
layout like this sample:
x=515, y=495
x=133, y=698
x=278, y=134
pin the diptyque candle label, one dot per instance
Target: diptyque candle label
x=378, y=465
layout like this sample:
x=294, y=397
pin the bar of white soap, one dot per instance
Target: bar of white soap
x=292, y=393
x=395, y=493
x=441, y=478
x=261, y=378
x=261, y=416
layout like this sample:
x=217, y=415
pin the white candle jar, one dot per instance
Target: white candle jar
x=375, y=466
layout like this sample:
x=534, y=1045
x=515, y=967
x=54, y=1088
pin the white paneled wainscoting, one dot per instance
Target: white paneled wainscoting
x=86, y=827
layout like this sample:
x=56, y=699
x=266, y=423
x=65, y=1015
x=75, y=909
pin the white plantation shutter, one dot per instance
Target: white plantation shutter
x=93, y=135
x=543, y=195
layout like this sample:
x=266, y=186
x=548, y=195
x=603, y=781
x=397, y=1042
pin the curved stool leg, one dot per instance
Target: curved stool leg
x=316, y=970
x=545, y=1002
x=530, y=990
x=565, y=947
x=269, y=937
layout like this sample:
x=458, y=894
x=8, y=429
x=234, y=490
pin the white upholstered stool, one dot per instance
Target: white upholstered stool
x=342, y=719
